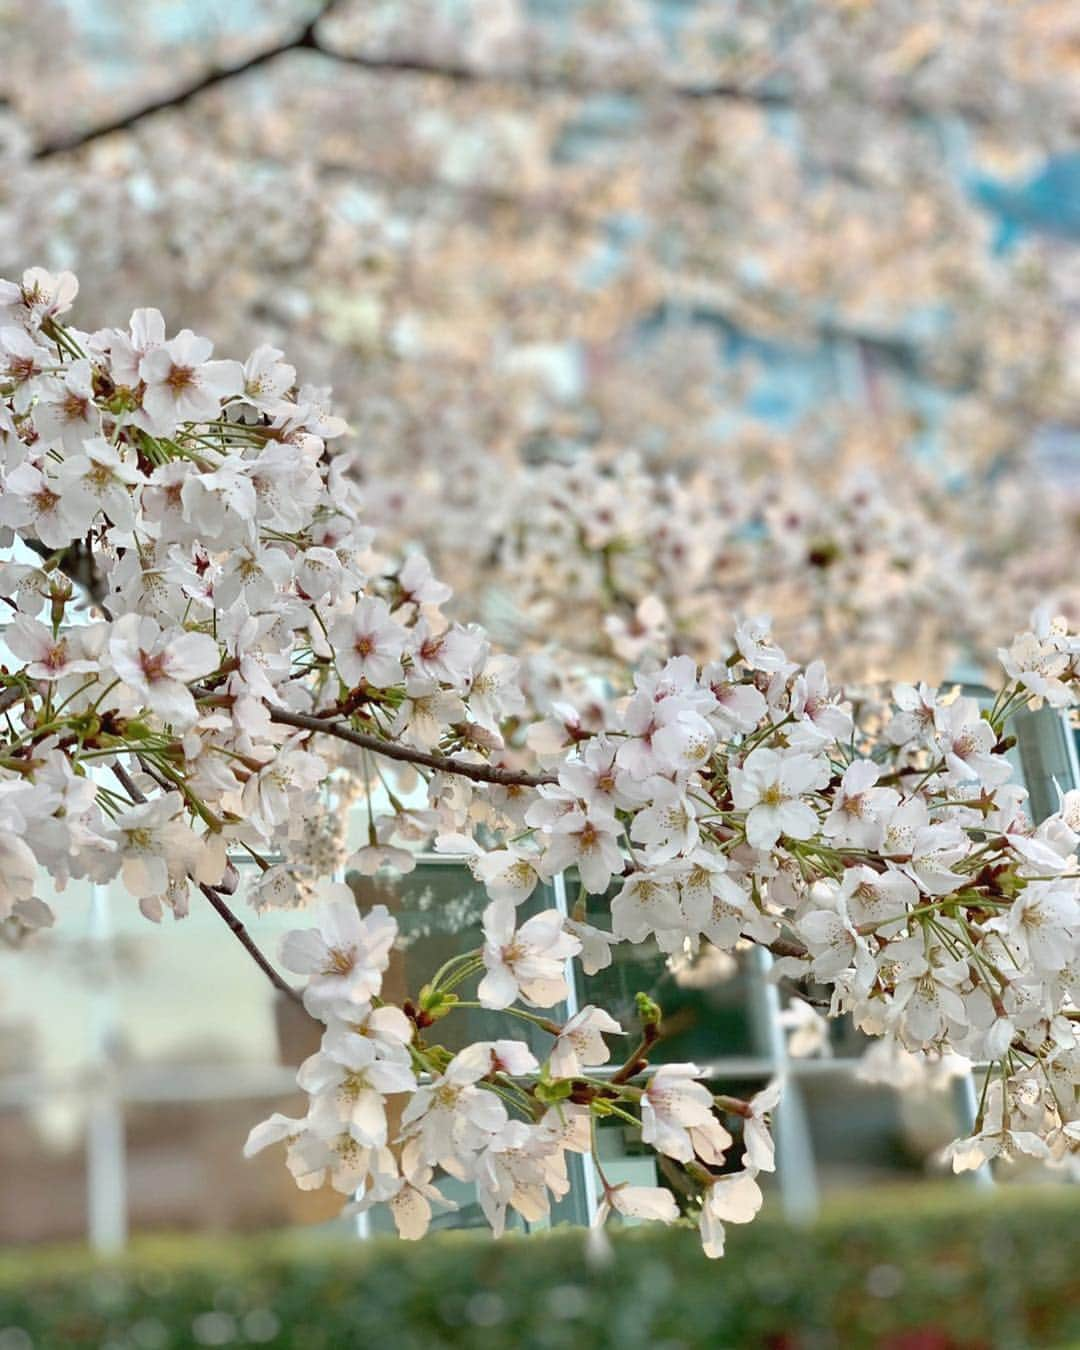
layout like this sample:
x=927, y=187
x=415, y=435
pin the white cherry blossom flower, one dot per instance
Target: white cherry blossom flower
x=588, y=841
x=369, y=645
x=647, y=903
x=349, y=1084
x=157, y=664
x=267, y=378
x=451, y=1118
x=636, y=1202
x=49, y=657
x=734, y=1198
x=859, y=806
x=98, y=480
x=668, y=825
x=183, y=384
x=345, y=956
x=769, y=787
x=580, y=1044
x=596, y=945
x=40, y=296
x=677, y=1115
x=526, y=962
x=760, y=1155
x=65, y=413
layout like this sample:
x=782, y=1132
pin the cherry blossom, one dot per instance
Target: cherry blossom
x=769, y=786
x=214, y=659
x=526, y=962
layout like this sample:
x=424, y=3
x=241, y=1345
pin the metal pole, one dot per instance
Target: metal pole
x=106, y=1160
x=795, y=1167
x=573, y=1006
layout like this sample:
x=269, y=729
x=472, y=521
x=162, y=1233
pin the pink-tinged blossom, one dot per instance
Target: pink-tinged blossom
x=966, y=741
x=588, y=841
x=184, y=385
x=760, y=1153
x=48, y=657
x=677, y=1115
x=816, y=705
x=417, y=584
x=738, y=707
x=735, y=1198
x=580, y=1044
x=526, y=962
x=770, y=786
x=345, y=956
x=23, y=361
x=39, y=297
x=448, y=656
x=753, y=638
x=368, y=645
x=32, y=499
x=157, y=665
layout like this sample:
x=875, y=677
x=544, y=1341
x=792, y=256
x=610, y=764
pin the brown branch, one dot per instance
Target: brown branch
x=308, y=38
x=298, y=40
x=540, y=81
x=128, y=784
x=480, y=773
x=781, y=947
x=78, y=563
x=11, y=696
x=213, y=894
x=244, y=938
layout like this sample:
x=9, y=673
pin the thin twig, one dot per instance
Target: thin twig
x=244, y=938
x=781, y=947
x=308, y=38
x=463, y=768
x=218, y=901
x=11, y=696
x=304, y=38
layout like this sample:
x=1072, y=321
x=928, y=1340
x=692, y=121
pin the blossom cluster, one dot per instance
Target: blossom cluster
x=210, y=648
x=492, y=1114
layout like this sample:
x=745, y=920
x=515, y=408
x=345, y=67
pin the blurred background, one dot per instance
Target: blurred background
x=644, y=313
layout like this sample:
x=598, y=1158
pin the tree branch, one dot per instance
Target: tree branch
x=480, y=773
x=11, y=696
x=308, y=39
x=303, y=38
x=781, y=947
x=245, y=939
x=213, y=894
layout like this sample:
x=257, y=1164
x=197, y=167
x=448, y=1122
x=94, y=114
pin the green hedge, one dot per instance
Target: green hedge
x=897, y=1271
